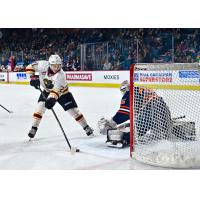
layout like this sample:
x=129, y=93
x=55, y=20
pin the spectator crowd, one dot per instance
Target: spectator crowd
x=98, y=48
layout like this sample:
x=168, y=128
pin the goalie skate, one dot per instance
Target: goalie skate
x=115, y=144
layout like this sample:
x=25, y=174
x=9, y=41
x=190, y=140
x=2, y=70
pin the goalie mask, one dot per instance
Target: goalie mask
x=55, y=63
x=124, y=87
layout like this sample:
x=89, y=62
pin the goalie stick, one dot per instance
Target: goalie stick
x=181, y=117
x=72, y=149
x=9, y=111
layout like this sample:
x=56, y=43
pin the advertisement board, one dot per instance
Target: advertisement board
x=155, y=77
x=97, y=76
x=79, y=76
x=114, y=78
x=18, y=77
x=3, y=77
x=189, y=76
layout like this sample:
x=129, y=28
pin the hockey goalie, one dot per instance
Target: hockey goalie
x=153, y=120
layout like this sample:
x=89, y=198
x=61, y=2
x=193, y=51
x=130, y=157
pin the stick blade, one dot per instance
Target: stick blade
x=74, y=150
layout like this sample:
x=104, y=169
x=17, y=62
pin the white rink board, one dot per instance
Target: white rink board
x=179, y=77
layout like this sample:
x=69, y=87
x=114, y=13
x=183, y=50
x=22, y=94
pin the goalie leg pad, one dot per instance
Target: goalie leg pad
x=184, y=130
x=116, y=138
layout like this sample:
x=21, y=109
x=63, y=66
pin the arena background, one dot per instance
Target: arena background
x=86, y=14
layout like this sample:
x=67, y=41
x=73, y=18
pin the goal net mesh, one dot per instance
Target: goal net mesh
x=164, y=114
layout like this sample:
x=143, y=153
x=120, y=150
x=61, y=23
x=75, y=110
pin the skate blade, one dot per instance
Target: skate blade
x=118, y=145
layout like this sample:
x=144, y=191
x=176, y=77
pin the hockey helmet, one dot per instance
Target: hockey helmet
x=55, y=63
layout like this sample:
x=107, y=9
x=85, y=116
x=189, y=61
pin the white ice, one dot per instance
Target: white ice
x=49, y=149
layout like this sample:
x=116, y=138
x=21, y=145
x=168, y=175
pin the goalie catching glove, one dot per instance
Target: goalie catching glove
x=105, y=124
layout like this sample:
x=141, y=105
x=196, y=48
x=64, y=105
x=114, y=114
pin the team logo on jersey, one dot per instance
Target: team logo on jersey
x=48, y=83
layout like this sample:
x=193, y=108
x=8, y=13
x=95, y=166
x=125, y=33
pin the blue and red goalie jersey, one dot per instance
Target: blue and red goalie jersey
x=122, y=114
x=142, y=97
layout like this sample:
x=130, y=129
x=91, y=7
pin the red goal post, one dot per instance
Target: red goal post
x=132, y=70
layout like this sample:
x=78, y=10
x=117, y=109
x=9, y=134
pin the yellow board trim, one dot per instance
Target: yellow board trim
x=170, y=87
x=16, y=83
x=107, y=85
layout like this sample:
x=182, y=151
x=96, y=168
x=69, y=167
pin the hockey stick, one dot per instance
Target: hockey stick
x=9, y=111
x=72, y=149
x=181, y=117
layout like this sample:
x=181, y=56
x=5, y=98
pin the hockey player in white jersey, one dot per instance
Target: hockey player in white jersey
x=52, y=78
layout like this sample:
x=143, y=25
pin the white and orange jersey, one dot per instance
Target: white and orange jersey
x=58, y=79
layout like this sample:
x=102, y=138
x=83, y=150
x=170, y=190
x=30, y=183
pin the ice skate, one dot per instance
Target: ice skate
x=117, y=144
x=89, y=131
x=32, y=132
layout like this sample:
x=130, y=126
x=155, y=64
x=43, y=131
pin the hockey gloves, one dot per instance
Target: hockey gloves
x=48, y=83
x=35, y=81
x=105, y=124
x=50, y=102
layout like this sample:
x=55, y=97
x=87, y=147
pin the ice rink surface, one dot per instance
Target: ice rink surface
x=49, y=149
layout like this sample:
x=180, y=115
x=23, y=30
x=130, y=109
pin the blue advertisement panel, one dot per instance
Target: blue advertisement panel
x=188, y=74
x=21, y=76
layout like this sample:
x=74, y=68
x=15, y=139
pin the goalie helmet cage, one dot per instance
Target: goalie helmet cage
x=164, y=114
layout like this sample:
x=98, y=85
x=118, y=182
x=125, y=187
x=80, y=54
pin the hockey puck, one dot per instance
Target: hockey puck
x=77, y=150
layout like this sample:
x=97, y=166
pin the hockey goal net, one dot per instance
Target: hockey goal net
x=165, y=114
